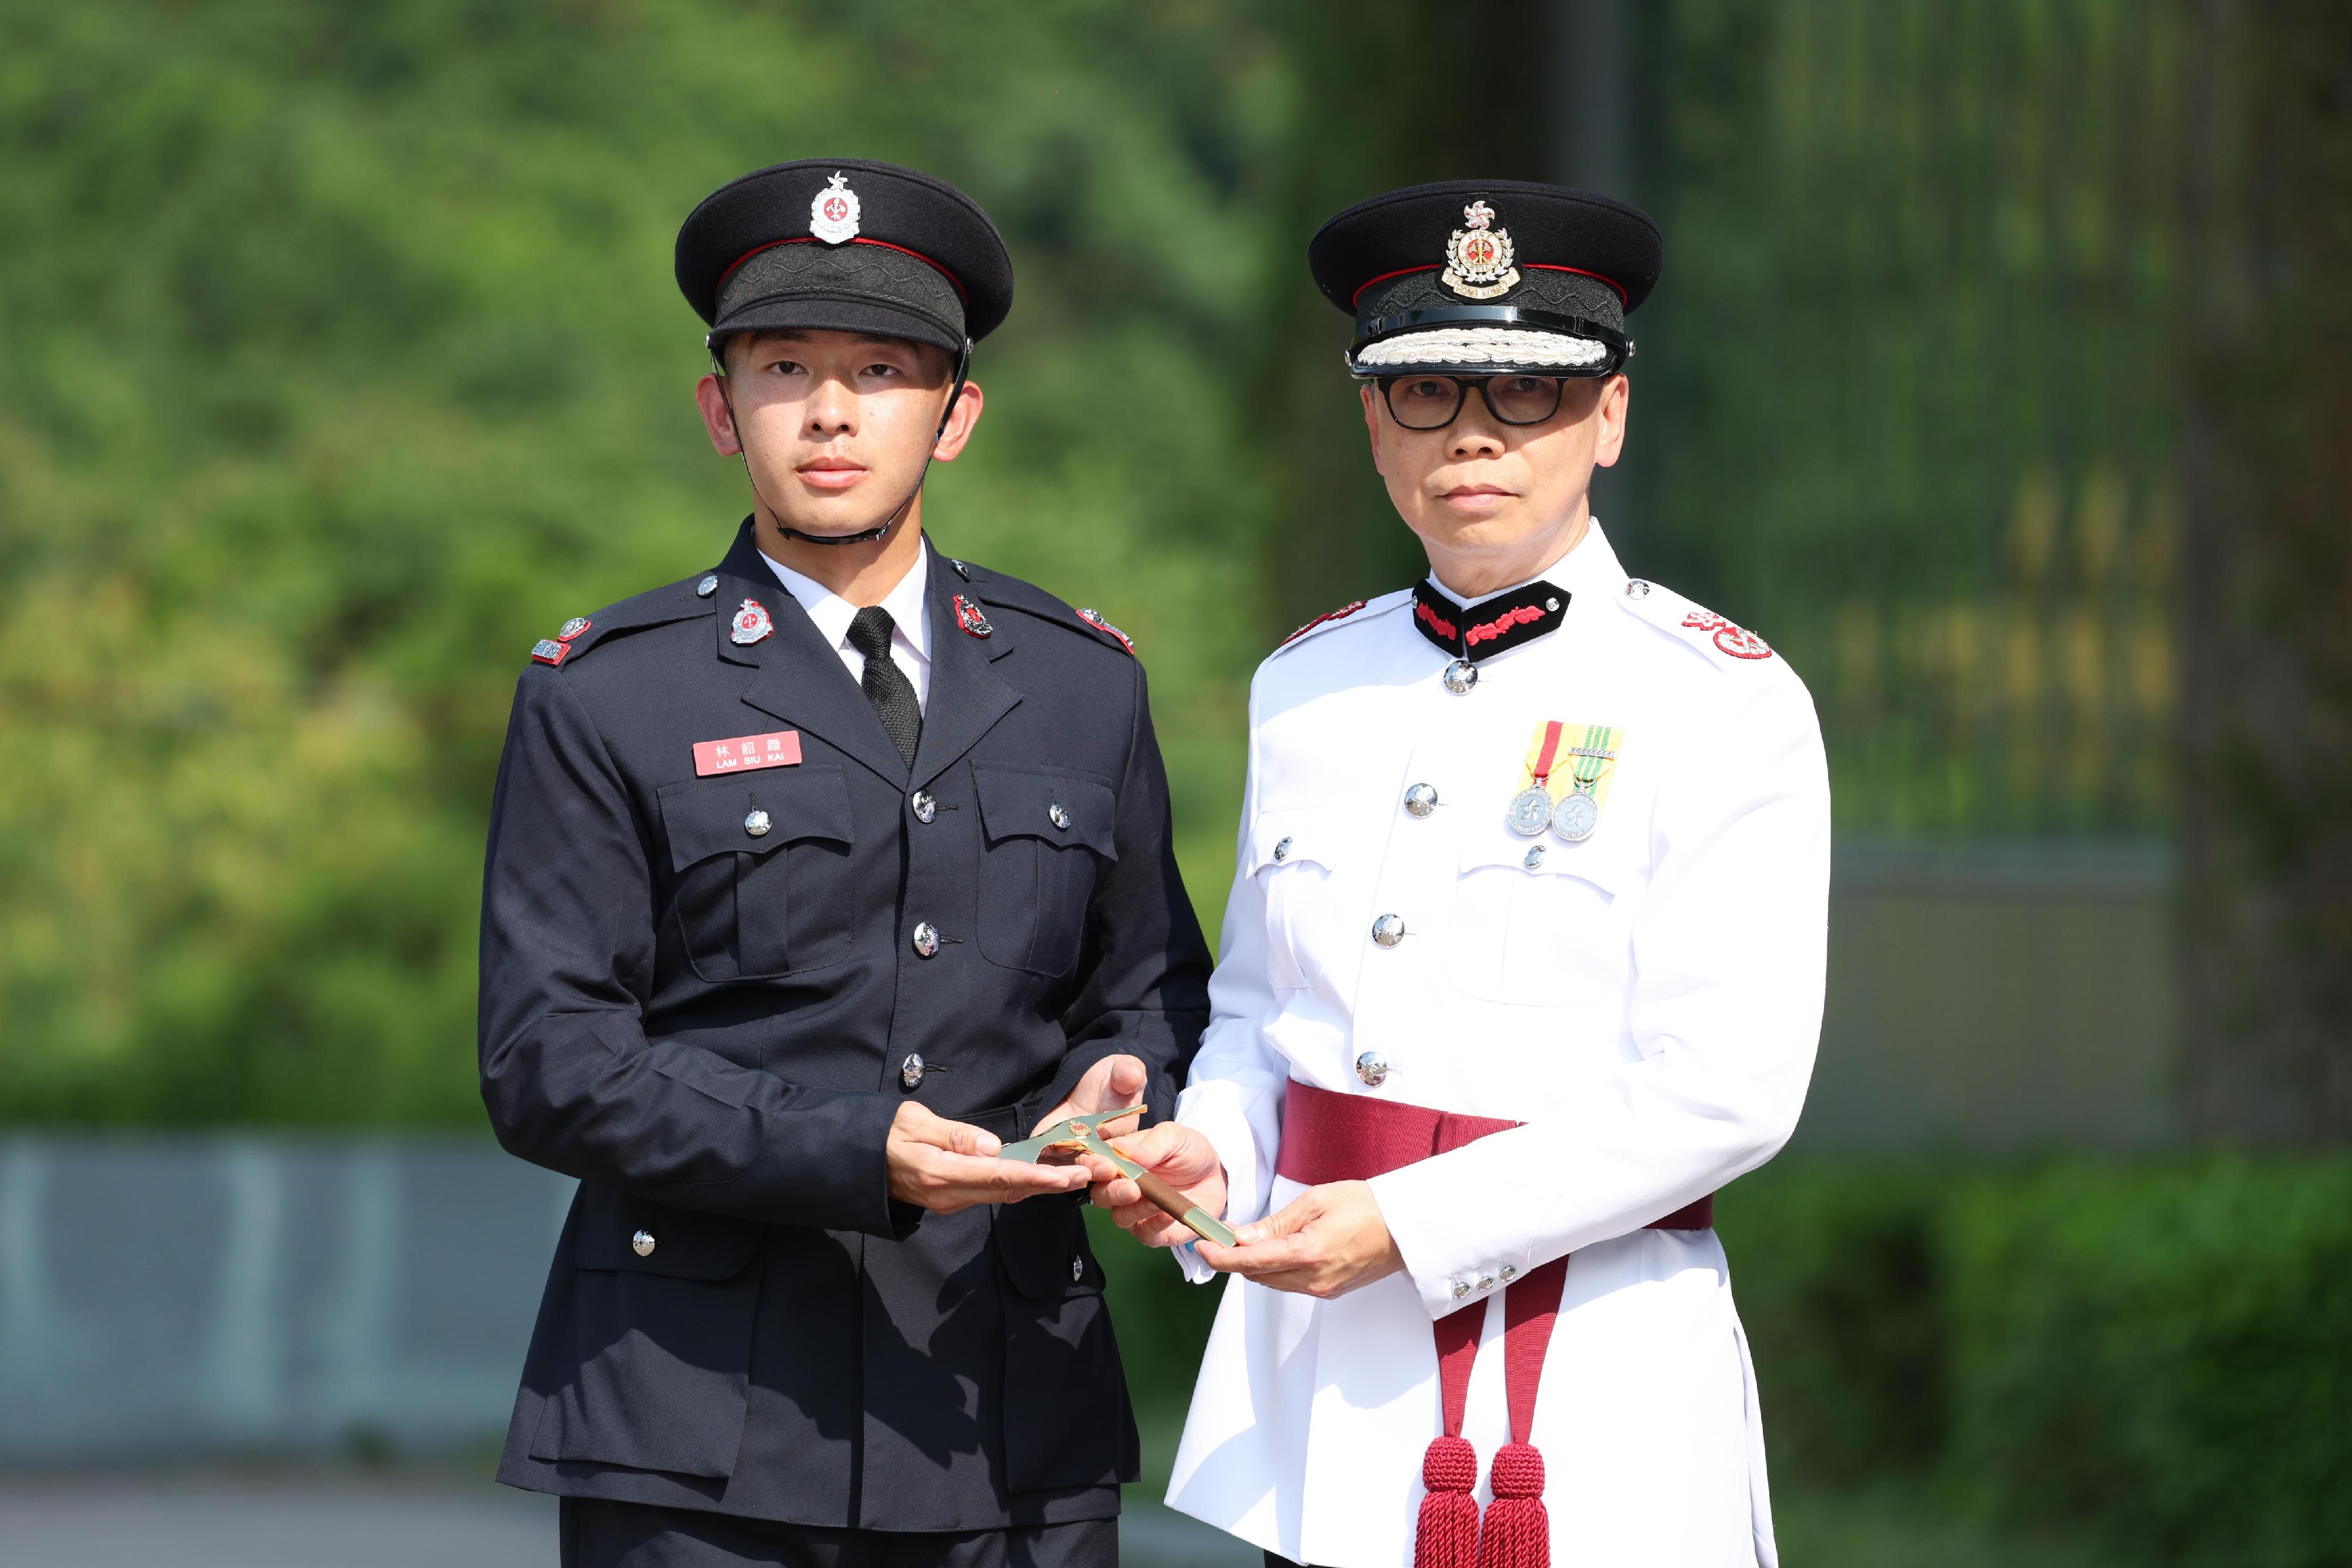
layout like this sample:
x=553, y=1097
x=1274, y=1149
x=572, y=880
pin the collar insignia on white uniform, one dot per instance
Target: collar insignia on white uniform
x=1475, y=632
x=1478, y=258
x=1094, y=618
x=972, y=618
x=752, y=624
x=833, y=212
x=1736, y=641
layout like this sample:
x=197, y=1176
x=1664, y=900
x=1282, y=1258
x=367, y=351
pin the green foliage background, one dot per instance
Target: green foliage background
x=342, y=361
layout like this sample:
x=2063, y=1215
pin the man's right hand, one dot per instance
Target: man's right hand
x=1178, y=1155
x=944, y=1166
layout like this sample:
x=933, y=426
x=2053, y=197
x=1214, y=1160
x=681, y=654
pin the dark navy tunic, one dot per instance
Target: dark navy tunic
x=708, y=1028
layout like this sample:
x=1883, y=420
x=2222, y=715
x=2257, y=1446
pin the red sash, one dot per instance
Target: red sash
x=1329, y=1137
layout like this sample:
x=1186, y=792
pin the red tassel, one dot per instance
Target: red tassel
x=1518, y=1532
x=1448, y=1534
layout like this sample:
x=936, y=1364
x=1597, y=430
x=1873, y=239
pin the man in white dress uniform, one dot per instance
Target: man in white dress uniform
x=1523, y=961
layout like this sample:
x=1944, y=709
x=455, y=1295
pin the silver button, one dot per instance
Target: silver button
x=642, y=1244
x=1056, y=815
x=1637, y=589
x=1485, y=1282
x=756, y=824
x=911, y=1071
x=1371, y=1070
x=1460, y=676
x=1535, y=859
x=1552, y=605
x=1509, y=1274
x=1461, y=1289
x=927, y=938
x=1282, y=851
x=1078, y=1269
x=1420, y=800
x=706, y=587
x=1389, y=930
x=925, y=808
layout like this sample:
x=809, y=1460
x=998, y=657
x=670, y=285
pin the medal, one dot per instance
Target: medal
x=1530, y=809
x=1564, y=781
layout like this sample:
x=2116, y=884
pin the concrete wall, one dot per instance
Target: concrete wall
x=159, y=1296
x=1997, y=998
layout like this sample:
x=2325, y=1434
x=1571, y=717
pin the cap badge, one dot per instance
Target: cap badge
x=833, y=215
x=1478, y=258
x=972, y=618
x=752, y=624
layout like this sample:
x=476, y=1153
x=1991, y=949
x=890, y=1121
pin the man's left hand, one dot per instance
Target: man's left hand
x=1328, y=1241
x=1109, y=1083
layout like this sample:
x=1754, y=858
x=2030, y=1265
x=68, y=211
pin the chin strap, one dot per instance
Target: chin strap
x=882, y=529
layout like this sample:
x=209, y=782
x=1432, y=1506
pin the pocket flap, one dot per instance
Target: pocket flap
x=705, y=817
x=1041, y=1244
x=639, y=1236
x=1598, y=860
x=1058, y=807
x=1283, y=836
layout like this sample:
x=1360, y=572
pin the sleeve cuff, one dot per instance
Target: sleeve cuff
x=1441, y=1255
x=1217, y=1110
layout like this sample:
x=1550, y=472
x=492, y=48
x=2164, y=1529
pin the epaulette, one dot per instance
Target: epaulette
x=681, y=600
x=1012, y=593
x=1333, y=617
x=1725, y=645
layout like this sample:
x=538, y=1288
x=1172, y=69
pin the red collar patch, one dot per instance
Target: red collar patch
x=1491, y=626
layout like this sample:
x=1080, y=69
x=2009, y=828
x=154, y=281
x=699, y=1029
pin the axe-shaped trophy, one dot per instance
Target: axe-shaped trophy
x=1084, y=1133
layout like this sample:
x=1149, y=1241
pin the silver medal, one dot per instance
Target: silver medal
x=1576, y=817
x=1530, y=811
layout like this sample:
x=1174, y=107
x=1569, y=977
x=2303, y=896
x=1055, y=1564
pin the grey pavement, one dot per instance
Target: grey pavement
x=337, y=1521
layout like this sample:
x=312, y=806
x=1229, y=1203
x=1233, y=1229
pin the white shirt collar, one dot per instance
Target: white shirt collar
x=832, y=613
x=1588, y=568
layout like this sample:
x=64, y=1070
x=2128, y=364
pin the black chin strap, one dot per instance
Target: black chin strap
x=880, y=530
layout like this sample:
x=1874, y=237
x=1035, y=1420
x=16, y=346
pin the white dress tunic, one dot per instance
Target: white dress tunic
x=1646, y=1001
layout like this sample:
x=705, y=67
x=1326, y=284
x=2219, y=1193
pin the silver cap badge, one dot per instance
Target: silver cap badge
x=833, y=212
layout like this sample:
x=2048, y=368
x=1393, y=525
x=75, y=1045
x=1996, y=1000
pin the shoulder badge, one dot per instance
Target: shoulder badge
x=972, y=618
x=548, y=651
x=1094, y=618
x=1323, y=620
x=1736, y=641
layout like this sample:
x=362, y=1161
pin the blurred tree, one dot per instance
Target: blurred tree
x=342, y=361
x=2266, y=731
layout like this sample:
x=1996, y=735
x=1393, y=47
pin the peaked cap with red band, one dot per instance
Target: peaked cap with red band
x=846, y=244
x=1483, y=276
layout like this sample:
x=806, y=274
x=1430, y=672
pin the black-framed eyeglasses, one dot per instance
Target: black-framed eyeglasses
x=1423, y=401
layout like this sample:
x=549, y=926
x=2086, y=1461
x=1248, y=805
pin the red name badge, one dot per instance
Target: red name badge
x=782, y=750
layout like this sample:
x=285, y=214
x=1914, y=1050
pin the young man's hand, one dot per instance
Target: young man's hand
x=1177, y=1155
x=1328, y=1241
x=945, y=1166
x=1113, y=1082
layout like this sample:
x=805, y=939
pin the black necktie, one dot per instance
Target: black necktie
x=885, y=684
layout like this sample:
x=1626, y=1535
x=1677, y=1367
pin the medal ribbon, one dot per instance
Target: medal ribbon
x=1593, y=754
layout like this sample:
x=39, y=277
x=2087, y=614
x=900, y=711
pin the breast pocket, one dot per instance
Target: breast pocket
x=1048, y=833
x=1540, y=922
x=1295, y=855
x=763, y=863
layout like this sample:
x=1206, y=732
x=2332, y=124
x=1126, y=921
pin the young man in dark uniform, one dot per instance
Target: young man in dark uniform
x=812, y=879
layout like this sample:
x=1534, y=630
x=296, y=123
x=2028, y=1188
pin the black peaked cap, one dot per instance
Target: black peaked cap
x=924, y=263
x=1403, y=235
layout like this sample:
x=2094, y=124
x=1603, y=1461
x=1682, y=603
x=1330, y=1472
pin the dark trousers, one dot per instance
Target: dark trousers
x=599, y=1534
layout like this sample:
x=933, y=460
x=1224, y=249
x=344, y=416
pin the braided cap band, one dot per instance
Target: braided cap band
x=1482, y=345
